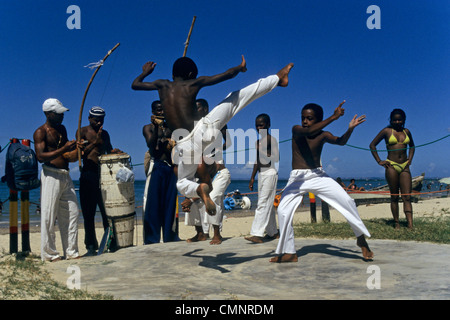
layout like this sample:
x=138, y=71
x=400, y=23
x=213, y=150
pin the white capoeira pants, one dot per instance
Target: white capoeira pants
x=265, y=212
x=320, y=184
x=188, y=151
x=58, y=202
x=198, y=215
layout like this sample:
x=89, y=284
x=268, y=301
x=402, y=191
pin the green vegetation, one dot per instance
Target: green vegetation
x=429, y=229
x=24, y=277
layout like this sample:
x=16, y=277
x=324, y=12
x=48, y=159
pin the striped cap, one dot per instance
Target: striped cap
x=97, y=112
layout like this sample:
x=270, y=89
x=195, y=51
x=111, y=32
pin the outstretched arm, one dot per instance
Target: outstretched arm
x=138, y=83
x=356, y=121
x=298, y=130
x=229, y=74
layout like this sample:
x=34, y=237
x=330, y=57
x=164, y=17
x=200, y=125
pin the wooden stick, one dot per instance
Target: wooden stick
x=189, y=37
x=84, y=98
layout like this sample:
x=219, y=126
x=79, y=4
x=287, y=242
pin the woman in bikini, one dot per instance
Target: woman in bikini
x=398, y=175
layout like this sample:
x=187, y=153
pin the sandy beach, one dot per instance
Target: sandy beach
x=238, y=223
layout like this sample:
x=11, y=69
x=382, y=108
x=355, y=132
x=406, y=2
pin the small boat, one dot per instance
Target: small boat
x=381, y=194
x=416, y=184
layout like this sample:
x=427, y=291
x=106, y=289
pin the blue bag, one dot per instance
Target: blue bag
x=21, y=169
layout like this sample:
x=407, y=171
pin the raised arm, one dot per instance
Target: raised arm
x=352, y=125
x=298, y=130
x=204, y=81
x=138, y=83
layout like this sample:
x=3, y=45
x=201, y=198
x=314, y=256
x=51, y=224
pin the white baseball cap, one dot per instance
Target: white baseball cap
x=53, y=105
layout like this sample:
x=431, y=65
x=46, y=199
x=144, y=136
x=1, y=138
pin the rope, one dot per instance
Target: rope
x=1, y=150
x=282, y=141
x=421, y=145
x=395, y=194
x=107, y=80
x=286, y=140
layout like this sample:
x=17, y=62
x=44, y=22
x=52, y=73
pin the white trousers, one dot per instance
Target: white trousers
x=265, y=212
x=198, y=215
x=147, y=183
x=320, y=184
x=58, y=202
x=188, y=151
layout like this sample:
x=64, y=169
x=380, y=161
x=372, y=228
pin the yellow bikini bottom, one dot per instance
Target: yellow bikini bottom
x=399, y=167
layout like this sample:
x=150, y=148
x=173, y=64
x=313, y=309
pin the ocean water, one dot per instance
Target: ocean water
x=241, y=185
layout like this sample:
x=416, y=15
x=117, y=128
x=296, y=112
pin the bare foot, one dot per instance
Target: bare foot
x=243, y=65
x=283, y=75
x=254, y=239
x=362, y=243
x=287, y=257
x=198, y=237
x=203, y=191
x=216, y=240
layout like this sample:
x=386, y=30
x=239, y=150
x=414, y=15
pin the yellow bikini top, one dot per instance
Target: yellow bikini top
x=393, y=140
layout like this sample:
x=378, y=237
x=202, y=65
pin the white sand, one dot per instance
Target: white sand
x=240, y=226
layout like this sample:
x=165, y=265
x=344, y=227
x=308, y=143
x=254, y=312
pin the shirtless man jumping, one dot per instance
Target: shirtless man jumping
x=178, y=99
x=307, y=175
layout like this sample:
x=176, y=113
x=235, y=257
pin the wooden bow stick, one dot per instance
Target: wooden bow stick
x=84, y=99
x=189, y=37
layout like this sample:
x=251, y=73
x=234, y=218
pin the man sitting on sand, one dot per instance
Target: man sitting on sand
x=178, y=99
x=307, y=175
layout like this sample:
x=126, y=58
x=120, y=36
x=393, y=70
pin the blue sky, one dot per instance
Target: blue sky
x=404, y=64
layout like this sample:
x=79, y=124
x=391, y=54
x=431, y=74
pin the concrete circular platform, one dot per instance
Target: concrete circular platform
x=238, y=269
